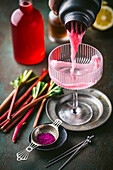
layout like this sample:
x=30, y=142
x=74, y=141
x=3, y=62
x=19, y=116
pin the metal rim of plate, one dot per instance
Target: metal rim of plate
x=100, y=103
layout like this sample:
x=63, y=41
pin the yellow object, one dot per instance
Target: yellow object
x=104, y=2
x=104, y=18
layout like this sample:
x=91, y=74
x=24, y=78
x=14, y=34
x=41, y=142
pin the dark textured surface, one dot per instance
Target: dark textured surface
x=98, y=155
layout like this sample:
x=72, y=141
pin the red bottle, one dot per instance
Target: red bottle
x=27, y=34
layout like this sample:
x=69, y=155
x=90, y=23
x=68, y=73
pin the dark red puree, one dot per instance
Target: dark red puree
x=45, y=138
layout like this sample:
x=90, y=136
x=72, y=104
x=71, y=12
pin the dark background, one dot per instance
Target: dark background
x=97, y=156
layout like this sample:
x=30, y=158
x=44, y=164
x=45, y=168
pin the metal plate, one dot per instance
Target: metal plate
x=99, y=102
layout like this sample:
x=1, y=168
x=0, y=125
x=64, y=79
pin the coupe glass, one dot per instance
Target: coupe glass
x=88, y=71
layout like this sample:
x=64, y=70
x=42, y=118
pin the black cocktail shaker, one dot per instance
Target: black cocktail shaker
x=82, y=11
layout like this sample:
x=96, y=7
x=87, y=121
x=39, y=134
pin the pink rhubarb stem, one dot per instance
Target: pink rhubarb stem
x=39, y=113
x=6, y=101
x=14, y=115
x=29, y=90
x=27, y=107
x=17, y=128
x=40, y=110
x=20, y=100
x=3, y=116
x=12, y=103
x=31, y=104
x=13, y=123
x=2, y=123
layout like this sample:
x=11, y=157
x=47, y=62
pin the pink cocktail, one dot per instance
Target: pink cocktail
x=87, y=71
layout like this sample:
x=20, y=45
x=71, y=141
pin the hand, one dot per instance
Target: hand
x=54, y=5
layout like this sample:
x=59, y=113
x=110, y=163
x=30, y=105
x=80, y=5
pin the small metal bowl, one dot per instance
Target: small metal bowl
x=60, y=141
x=45, y=128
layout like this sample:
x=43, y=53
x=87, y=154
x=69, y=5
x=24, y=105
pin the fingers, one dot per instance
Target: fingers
x=54, y=5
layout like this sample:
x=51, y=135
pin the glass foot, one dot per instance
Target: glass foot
x=81, y=115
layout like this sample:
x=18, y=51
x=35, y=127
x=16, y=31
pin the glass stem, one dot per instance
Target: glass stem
x=75, y=100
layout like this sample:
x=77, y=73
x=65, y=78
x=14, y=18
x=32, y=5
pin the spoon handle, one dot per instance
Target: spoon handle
x=23, y=155
x=57, y=122
x=88, y=140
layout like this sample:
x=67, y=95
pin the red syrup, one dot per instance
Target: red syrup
x=45, y=138
x=27, y=34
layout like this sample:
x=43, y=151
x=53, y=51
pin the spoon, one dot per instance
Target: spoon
x=46, y=128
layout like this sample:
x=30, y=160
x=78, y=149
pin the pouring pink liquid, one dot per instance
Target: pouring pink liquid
x=75, y=40
x=74, y=70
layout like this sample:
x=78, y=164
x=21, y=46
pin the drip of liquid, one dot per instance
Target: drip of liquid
x=75, y=35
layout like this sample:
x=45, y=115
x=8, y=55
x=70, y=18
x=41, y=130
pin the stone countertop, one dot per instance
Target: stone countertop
x=98, y=155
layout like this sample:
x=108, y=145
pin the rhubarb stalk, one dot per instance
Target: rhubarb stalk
x=20, y=100
x=17, y=83
x=12, y=103
x=35, y=92
x=13, y=123
x=6, y=101
x=17, y=128
x=51, y=84
x=39, y=112
x=7, y=122
x=55, y=90
x=9, y=97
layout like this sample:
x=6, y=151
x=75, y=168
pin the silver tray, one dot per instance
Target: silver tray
x=99, y=102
